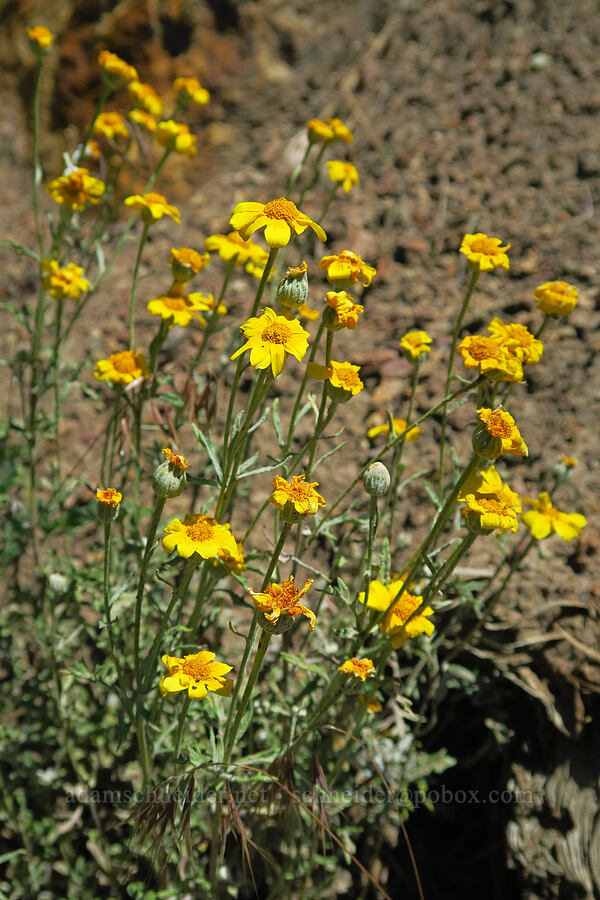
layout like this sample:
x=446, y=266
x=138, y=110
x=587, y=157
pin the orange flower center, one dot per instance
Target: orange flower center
x=298, y=489
x=124, y=362
x=484, y=245
x=403, y=608
x=493, y=505
x=74, y=184
x=175, y=302
x=485, y=348
x=199, y=532
x=281, y=209
x=108, y=496
x=498, y=425
x=195, y=669
x=284, y=595
x=521, y=334
x=347, y=377
x=277, y=333
x=362, y=666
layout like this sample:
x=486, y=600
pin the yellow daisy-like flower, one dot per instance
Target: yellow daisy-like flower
x=191, y=91
x=344, y=376
x=319, y=132
x=358, y=668
x=394, y=623
x=282, y=600
x=346, y=310
x=116, y=69
x=341, y=132
x=122, y=368
x=109, y=496
x=297, y=496
x=399, y=426
x=343, y=173
x=185, y=263
x=209, y=303
x=179, y=307
x=500, y=424
x=484, y=253
x=270, y=338
x=63, y=283
x=175, y=459
x=556, y=298
x=144, y=96
x=346, y=268
x=111, y=125
x=176, y=136
x=415, y=344
x=232, y=247
x=153, y=207
x=199, y=534
x=76, y=189
x=40, y=38
x=544, y=519
x=144, y=120
x=491, y=357
x=235, y=562
x=280, y=218
x=196, y=673
x=518, y=340
x=490, y=504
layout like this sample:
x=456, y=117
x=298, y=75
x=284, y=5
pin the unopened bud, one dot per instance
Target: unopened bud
x=292, y=290
x=376, y=480
x=169, y=477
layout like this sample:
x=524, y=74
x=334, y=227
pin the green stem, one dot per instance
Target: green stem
x=159, y=503
x=298, y=170
x=37, y=171
x=211, y=320
x=56, y=391
x=135, y=282
x=398, y=451
x=180, y=726
x=90, y=129
x=295, y=410
x=312, y=174
x=329, y=201
x=263, y=644
x=368, y=558
x=156, y=173
x=106, y=592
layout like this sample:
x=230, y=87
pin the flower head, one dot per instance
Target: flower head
x=185, y=263
x=76, y=189
x=199, y=534
x=490, y=504
x=544, y=519
x=345, y=311
x=415, y=344
x=196, y=673
x=500, y=424
x=175, y=459
x=181, y=308
x=279, y=218
x=40, y=39
x=116, y=71
x=109, y=496
x=231, y=247
x=144, y=96
x=191, y=91
x=296, y=498
x=343, y=173
x=270, y=338
x=491, y=356
x=518, y=340
x=344, y=380
x=484, y=253
x=341, y=132
x=169, y=478
x=122, y=368
x=399, y=426
x=144, y=119
x=152, y=207
x=282, y=601
x=395, y=623
x=346, y=268
x=358, y=668
x=176, y=136
x=556, y=298
x=111, y=125
x=63, y=283
x=235, y=562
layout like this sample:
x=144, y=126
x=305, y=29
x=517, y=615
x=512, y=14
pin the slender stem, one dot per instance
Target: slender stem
x=457, y=327
x=313, y=173
x=263, y=281
x=368, y=558
x=56, y=391
x=37, y=171
x=90, y=129
x=159, y=503
x=106, y=592
x=134, y=284
x=298, y=170
x=152, y=180
x=180, y=726
x=263, y=644
x=398, y=451
x=295, y=410
x=329, y=201
x=213, y=318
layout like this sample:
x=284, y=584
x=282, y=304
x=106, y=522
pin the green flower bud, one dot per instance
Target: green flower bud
x=376, y=480
x=283, y=623
x=169, y=477
x=292, y=290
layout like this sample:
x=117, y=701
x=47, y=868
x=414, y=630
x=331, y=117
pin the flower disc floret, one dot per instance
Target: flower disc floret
x=280, y=218
x=544, y=519
x=346, y=268
x=122, y=368
x=152, y=207
x=270, y=338
x=345, y=309
x=358, y=668
x=191, y=91
x=109, y=496
x=518, y=340
x=111, y=125
x=176, y=136
x=500, y=424
x=196, y=673
x=76, y=189
x=282, y=600
x=395, y=623
x=415, y=344
x=343, y=173
x=556, y=298
x=298, y=495
x=199, y=534
x=484, y=253
x=144, y=96
x=66, y=283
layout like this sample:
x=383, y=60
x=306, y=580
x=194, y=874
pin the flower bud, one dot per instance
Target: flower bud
x=169, y=477
x=486, y=445
x=283, y=624
x=473, y=522
x=376, y=480
x=107, y=507
x=292, y=290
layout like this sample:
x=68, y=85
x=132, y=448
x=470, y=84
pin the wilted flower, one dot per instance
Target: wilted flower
x=484, y=253
x=344, y=380
x=281, y=601
x=358, y=668
x=518, y=340
x=500, y=426
x=490, y=504
x=185, y=263
x=296, y=498
x=109, y=496
x=345, y=311
x=111, y=125
x=279, y=218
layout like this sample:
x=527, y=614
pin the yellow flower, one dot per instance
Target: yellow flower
x=199, y=534
x=358, y=668
x=319, y=132
x=518, y=340
x=500, y=424
x=399, y=425
x=395, y=622
x=490, y=504
x=343, y=173
x=185, y=263
x=281, y=600
x=76, y=189
x=491, y=356
x=122, y=368
x=196, y=673
x=297, y=496
x=93, y=150
x=41, y=39
x=145, y=96
x=556, y=298
x=144, y=120
x=179, y=307
x=234, y=561
x=116, y=69
x=232, y=247
x=344, y=376
x=270, y=338
x=175, y=136
x=307, y=312
x=63, y=283
x=209, y=304
x=569, y=461
x=152, y=207
x=373, y=706
x=346, y=268
x=190, y=90
x=544, y=519
x=111, y=125
x=484, y=253
x=340, y=131
x=175, y=459
x=415, y=344
x=279, y=218
x=109, y=496
x=346, y=310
